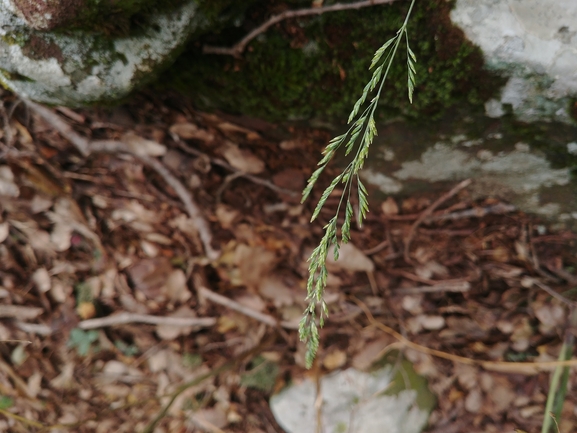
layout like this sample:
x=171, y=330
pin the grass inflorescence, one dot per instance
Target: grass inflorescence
x=360, y=135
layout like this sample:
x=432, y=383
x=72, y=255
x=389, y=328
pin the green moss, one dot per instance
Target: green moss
x=317, y=66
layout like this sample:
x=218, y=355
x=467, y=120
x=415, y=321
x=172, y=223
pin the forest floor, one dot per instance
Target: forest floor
x=109, y=308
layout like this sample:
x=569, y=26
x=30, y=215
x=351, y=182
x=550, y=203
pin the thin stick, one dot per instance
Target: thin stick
x=86, y=147
x=553, y=293
x=124, y=318
x=237, y=49
x=81, y=143
x=497, y=209
x=462, y=286
x=428, y=213
x=214, y=372
x=479, y=212
x=377, y=248
x=233, y=305
x=499, y=366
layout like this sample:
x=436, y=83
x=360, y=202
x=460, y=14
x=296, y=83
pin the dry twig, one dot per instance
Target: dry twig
x=554, y=294
x=499, y=366
x=428, y=213
x=449, y=286
x=87, y=147
x=240, y=46
x=233, y=305
x=497, y=209
x=124, y=318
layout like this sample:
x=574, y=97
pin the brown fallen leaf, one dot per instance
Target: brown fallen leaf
x=390, y=207
x=190, y=131
x=242, y=159
x=370, y=353
x=253, y=263
x=351, y=259
x=149, y=275
x=274, y=288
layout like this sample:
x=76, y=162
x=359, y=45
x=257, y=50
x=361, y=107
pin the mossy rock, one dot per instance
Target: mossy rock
x=316, y=67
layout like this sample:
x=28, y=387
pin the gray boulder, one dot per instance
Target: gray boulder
x=67, y=53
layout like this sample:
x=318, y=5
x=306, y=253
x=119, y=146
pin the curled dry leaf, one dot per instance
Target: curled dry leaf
x=7, y=186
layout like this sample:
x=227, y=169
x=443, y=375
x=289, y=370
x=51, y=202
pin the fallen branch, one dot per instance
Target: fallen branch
x=427, y=212
x=237, y=49
x=87, y=147
x=125, y=318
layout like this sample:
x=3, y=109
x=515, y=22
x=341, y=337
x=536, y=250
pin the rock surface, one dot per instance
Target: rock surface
x=79, y=67
x=351, y=401
x=534, y=43
x=529, y=165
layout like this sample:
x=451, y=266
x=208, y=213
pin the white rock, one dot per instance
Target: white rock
x=352, y=401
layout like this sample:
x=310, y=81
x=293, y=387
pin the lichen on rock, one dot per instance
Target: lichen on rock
x=78, y=67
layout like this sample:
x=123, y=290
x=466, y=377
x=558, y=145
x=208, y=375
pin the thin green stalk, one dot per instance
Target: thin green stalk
x=559, y=380
x=361, y=133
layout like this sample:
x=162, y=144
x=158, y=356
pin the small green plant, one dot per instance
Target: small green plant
x=262, y=375
x=126, y=349
x=6, y=402
x=82, y=340
x=361, y=133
